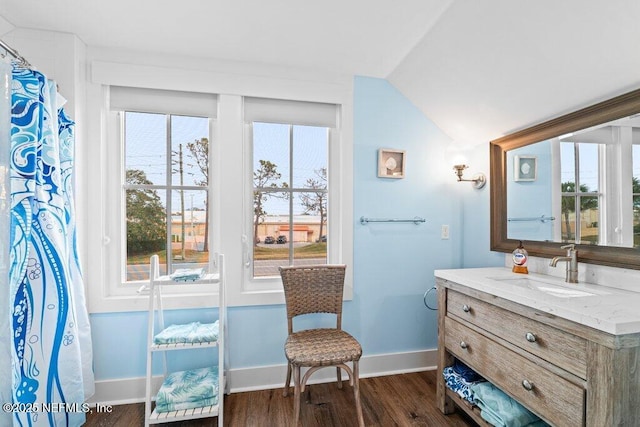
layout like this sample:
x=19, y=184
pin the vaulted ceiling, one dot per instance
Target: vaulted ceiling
x=478, y=69
x=488, y=68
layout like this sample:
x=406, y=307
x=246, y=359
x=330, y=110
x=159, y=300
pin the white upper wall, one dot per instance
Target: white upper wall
x=488, y=68
x=361, y=37
x=5, y=26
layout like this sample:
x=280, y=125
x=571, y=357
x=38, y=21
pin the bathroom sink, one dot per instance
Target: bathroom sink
x=560, y=291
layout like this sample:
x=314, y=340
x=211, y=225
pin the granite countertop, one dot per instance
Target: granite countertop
x=610, y=310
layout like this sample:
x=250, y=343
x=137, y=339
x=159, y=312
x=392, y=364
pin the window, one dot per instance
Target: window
x=290, y=194
x=293, y=207
x=141, y=131
x=595, y=189
x=580, y=196
x=159, y=193
x=165, y=186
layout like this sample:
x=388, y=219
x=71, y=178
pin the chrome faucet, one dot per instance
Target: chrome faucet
x=572, y=263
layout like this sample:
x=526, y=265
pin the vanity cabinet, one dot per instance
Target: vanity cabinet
x=567, y=373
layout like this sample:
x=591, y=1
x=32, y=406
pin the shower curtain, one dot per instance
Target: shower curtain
x=51, y=359
x=5, y=332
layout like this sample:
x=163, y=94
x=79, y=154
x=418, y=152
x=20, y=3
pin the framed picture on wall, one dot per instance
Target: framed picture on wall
x=391, y=163
x=525, y=168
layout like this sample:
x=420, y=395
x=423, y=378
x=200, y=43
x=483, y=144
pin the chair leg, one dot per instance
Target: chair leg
x=296, y=395
x=356, y=393
x=287, y=383
x=339, y=376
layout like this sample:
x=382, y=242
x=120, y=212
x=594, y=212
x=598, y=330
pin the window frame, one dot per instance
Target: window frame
x=251, y=283
x=615, y=207
x=98, y=164
x=305, y=112
x=118, y=294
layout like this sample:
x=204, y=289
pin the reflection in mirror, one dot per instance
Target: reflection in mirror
x=581, y=187
x=573, y=179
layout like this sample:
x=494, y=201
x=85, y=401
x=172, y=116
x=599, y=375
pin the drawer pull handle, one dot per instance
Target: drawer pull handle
x=466, y=308
x=527, y=385
x=464, y=345
x=530, y=337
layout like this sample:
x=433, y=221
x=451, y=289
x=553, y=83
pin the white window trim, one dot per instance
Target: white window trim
x=244, y=289
x=96, y=165
x=250, y=283
x=117, y=294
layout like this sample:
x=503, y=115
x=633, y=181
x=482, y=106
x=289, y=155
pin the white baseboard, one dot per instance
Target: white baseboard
x=132, y=390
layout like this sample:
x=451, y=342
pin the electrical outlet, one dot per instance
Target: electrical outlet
x=444, y=232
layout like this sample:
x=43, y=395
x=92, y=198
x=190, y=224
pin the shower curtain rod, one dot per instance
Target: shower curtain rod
x=11, y=51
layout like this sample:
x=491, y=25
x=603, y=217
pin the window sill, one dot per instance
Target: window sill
x=128, y=299
x=133, y=302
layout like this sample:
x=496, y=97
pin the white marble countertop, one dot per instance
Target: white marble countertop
x=610, y=310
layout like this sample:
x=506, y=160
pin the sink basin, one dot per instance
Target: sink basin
x=560, y=291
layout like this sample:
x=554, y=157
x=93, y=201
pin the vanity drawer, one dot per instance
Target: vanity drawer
x=552, y=397
x=560, y=348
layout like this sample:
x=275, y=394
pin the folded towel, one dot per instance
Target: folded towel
x=188, y=389
x=177, y=406
x=187, y=274
x=538, y=423
x=194, y=332
x=499, y=409
x=457, y=383
x=465, y=372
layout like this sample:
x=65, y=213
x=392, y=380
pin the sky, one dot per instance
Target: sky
x=588, y=164
x=145, y=149
x=271, y=142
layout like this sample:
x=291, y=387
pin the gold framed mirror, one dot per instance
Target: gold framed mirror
x=607, y=247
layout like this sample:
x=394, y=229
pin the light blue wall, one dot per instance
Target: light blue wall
x=476, y=214
x=530, y=198
x=393, y=263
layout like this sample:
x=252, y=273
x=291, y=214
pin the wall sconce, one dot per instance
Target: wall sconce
x=479, y=179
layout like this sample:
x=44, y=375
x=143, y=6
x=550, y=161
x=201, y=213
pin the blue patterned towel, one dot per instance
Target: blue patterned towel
x=187, y=274
x=457, y=383
x=194, y=332
x=188, y=389
x=466, y=372
x=499, y=409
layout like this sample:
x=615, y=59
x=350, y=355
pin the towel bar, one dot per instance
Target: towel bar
x=416, y=220
x=542, y=218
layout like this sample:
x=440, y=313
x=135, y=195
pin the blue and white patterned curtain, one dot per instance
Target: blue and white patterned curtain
x=5, y=331
x=51, y=360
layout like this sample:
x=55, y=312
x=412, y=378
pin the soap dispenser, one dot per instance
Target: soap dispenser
x=520, y=258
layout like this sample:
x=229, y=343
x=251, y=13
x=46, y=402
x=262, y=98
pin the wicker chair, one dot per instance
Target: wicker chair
x=318, y=289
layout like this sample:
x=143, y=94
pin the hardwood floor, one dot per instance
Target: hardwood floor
x=395, y=400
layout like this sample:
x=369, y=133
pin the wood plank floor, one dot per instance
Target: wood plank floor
x=395, y=400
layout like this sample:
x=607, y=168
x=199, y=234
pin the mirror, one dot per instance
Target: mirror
x=573, y=179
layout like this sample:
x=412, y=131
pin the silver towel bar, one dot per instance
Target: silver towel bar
x=542, y=218
x=416, y=220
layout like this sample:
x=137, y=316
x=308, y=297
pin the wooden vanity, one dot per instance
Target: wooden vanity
x=566, y=372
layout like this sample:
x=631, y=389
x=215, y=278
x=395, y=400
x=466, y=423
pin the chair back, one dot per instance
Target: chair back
x=313, y=289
